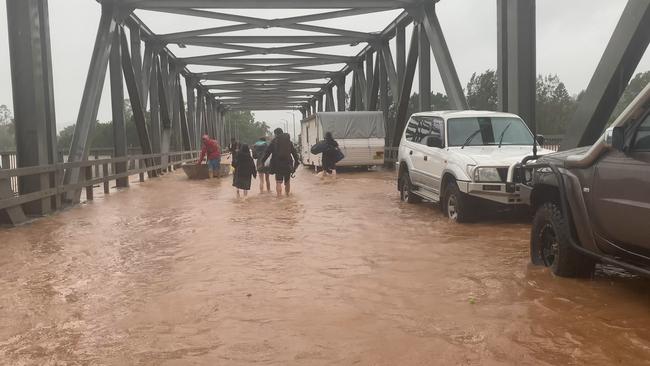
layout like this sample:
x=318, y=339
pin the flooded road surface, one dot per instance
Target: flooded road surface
x=173, y=272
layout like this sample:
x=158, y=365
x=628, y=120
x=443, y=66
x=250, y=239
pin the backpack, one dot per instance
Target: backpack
x=283, y=147
x=338, y=155
x=259, y=149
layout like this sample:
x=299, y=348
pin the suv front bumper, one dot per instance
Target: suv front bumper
x=504, y=193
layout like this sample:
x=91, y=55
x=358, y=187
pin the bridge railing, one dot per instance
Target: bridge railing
x=8, y=160
x=94, y=172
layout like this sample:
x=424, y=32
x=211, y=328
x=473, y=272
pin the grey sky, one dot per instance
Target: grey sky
x=571, y=38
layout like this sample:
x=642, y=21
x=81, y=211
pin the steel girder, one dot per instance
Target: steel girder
x=31, y=72
x=298, y=56
x=138, y=106
x=120, y=148
x=424, y=68
x=617, y=65
x=517, y=58
x=431, y=26
x=409, y=73
x=92, y=94
x=266, y=4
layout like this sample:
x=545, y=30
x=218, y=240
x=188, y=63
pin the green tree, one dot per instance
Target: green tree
x=7, y=129
x=555, y=107
x=249, y=129
x=636, y=85
x=482, y=91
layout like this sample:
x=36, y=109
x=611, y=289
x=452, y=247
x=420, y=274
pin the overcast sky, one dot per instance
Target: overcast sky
x=572, y=36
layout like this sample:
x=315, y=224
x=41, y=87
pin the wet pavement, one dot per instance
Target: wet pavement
x=176, y=272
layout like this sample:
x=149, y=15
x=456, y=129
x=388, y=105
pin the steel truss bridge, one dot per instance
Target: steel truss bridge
x=261, y=72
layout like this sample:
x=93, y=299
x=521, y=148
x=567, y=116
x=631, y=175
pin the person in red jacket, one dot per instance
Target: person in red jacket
x=210, y=149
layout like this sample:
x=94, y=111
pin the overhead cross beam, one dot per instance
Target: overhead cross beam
x=617, y=65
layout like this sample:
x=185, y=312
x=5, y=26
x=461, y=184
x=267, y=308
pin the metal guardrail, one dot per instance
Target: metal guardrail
x=93, y=172
x=8, y=160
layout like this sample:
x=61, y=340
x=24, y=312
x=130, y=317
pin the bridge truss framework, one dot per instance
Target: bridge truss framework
x=262, y=72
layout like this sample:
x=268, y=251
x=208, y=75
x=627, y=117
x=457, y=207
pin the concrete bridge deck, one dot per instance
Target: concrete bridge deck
x=175, y=272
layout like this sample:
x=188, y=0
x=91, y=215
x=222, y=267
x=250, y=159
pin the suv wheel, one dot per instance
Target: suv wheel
x=455, y=204
x=406, y=189
x=549, y=244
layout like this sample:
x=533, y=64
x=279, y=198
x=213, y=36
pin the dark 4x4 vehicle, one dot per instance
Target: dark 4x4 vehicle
x=592, y=204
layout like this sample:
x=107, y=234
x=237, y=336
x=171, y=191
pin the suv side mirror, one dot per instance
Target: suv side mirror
x=540, y=140
x=615, y=138
x=434, y=141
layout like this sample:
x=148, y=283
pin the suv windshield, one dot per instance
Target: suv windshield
x=491, y=129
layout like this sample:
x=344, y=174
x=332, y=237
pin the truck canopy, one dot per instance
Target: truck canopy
x=353, y=125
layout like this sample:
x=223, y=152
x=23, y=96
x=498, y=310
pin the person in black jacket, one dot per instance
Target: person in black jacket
x=244, y=170
x=330, y=156
x=284, y=160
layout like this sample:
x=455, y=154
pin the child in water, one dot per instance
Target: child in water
x=244, y=170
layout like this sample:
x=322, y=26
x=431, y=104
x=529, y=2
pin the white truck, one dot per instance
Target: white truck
x=462, y=159
x=361, y=137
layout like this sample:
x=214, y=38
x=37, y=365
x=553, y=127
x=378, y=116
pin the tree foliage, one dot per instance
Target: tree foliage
x=7, y=129
x=249, y=129
x=482, y=91
x=555, y=107
x=636, y=85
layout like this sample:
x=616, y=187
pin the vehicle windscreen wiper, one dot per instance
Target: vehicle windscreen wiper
x=503, y=133
x=470, y=138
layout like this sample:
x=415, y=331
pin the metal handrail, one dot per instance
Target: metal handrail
x=89, y=181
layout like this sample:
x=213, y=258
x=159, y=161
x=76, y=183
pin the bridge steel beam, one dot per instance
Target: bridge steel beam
x=626, y=47
x=369, y=58
x=354, y=100
x=373, y=87
x=137, y=105
x=384, y=99
x=394, y=79
x=517, y=58
x=362, y=90
x=165, y=118
x=92, y=94
x=340, y=92
x=31, y=75
x=405, y=94
x=400, y=55
x=200, y=112
x=424, y=68
x=443, y=57
x=120, y=146
x=329, y=105
x=186, y=138
x=190, y=86
x=154, y=108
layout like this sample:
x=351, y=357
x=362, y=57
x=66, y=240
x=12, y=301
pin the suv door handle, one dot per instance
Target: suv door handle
x=411, y=152
x=426, y=158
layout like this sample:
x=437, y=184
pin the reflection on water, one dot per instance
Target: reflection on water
x=174, y=272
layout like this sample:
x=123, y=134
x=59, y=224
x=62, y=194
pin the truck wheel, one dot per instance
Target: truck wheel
x=456, y=205
x=406, y=189
x=549, y=244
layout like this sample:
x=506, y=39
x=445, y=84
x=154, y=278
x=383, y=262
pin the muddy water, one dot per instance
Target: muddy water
x=173, y=272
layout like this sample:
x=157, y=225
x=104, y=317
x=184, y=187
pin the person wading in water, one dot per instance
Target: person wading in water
x=211, y=150
x=244, y=170
x=284, y=160
x=331, y=155
x=258, y=153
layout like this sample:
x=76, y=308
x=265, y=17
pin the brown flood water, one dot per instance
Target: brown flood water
x=173, y=272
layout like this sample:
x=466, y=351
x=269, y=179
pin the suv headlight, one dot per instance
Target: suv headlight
x=486, y=175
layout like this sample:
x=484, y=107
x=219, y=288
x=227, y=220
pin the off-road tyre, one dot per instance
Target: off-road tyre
x=406, y=189
x=456, y=205
x=550, y=246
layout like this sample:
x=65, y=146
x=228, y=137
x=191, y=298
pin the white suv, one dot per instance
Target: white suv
x=463, y=158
